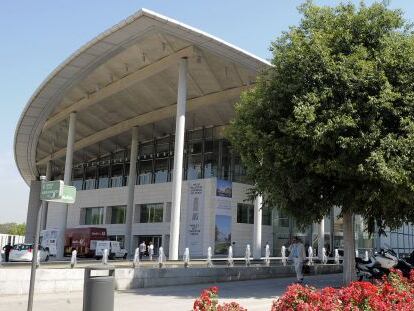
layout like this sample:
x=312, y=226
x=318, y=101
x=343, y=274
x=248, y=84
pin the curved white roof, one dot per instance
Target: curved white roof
x=55, y=95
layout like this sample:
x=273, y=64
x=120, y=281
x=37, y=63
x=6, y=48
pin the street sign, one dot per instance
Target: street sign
x=56, y=191
x=68, y=195
x=51, y=190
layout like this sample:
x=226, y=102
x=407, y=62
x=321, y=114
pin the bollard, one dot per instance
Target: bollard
x=310, y=252
x=161, y=257
x=324, y=256
x=230, y=261
x=284, y=259
x=135, y=263
x=186, y=257
x=267, y=256
x=336, y=256
x=73, y=259
x=98, y=290
x=105, y=257
x=209, y=257
x=247, y=256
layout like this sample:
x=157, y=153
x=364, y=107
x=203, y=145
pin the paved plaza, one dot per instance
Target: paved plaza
x=254, y=295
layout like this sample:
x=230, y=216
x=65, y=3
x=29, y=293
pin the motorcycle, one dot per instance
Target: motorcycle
x=380, y=264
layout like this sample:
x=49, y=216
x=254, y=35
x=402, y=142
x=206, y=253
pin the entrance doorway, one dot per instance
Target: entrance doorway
x=155, y=239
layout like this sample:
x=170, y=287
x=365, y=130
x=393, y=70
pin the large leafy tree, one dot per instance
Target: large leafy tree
x=332, y=122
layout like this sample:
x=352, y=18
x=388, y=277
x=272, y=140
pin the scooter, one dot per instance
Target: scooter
x=378, y=265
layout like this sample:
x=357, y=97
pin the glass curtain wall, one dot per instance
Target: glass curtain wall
x=206, y=155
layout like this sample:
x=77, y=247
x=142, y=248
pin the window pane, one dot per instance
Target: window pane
x=194, y=167
x=90, y=177
x=161, y=170
x=145, y=174
x=116, y=175
x=151, y=213
x=77, y=180
x=245, y=213
x=93, y=215
x=117, y=214
x=210, y=165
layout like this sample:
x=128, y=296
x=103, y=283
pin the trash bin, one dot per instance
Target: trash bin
x=98, y=288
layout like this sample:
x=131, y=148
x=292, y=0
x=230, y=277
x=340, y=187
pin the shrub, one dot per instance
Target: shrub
x=394, y=292
x=208, y=301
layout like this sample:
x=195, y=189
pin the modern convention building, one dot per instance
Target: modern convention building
x=134, y=120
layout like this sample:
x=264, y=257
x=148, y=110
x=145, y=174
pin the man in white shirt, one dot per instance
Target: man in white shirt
x=142, y=249
x=298, y=255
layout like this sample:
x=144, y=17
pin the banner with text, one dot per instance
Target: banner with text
x=195, y=210
x=223, y=220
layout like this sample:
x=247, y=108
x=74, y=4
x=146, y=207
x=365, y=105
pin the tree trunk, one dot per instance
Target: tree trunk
x=349, y=248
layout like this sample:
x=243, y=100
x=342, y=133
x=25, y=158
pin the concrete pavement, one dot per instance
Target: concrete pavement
x=254, y=295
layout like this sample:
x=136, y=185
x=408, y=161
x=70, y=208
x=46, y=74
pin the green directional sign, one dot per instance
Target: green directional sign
x=56, y=191
x=68, y=196
x=51, y=190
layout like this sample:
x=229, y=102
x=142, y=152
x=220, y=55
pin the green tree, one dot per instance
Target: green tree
x=18, y=229
x=331, y=123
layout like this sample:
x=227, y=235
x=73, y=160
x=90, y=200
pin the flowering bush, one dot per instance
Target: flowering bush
x=394, y=292
x=208, y=301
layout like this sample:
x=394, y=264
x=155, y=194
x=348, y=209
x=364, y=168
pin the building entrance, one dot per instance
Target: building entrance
x=155, y=239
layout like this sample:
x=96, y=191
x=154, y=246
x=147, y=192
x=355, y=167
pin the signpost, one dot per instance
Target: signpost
x=50, y=191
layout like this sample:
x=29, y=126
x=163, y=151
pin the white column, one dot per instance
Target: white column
x=178, y=160
x=69, y=149
x=131, y=188
x=67, y=178
x=321, y=237
x=257, y=230
x=46, y=204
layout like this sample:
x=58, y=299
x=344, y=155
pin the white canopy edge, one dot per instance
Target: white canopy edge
x=49, y=94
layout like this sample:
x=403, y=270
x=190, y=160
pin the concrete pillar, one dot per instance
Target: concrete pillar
x=32, y=211
x=178, y=160
x=46, y=204
x=321, y=237
x=67, y=179
x=257, y=230
x=131, y=187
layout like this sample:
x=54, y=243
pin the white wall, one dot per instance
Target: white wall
x=242, y=234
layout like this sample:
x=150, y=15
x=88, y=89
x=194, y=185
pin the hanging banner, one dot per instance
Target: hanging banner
x=195, y=209
x=223, y=219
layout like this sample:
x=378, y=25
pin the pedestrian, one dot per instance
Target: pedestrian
x=150, y=250
x=7, y=248
x=298, y=255
x=142, y=249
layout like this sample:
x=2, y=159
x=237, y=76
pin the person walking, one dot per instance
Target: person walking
x=150, y=250
x=142, y=249
x=298, y=255
x=7, y=248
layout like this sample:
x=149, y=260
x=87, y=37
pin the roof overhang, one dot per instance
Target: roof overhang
x=49, y=105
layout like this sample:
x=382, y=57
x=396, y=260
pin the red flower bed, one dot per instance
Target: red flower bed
x=208, y=301
x=393, y=293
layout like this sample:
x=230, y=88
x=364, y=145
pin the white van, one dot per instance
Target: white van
x=113, y=247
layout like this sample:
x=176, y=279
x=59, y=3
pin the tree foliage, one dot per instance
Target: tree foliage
x=332, y=122
x=13, y=228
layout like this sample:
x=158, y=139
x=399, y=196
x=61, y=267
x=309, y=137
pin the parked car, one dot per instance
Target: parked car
x=113, y=247
x=24, y=252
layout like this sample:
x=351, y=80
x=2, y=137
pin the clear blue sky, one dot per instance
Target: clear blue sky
x=36, y=36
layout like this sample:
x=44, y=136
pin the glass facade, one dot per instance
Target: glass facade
x=206, y=155
x=150, y=213
x=245, y=213
x=92, y=216
x=115, y=214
